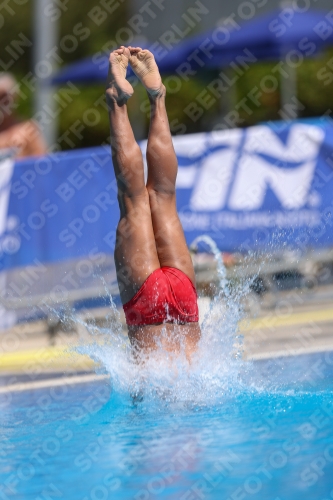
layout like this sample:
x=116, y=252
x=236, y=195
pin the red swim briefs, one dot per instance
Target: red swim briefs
x=167, y=296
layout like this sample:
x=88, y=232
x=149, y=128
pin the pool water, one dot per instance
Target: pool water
x=82, y=443
x=221, y=428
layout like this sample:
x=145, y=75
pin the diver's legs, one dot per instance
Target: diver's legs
x=135, y=250
x=162, y=170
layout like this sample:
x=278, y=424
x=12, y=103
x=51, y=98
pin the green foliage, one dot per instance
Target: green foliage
x=80, y=36
x=313, y=92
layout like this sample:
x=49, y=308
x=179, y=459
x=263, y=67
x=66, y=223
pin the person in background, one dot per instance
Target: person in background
x=22, y=137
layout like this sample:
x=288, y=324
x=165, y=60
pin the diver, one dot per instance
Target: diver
x=154, y=268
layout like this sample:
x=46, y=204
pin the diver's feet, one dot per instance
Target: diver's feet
x=144, y=66
x=118, y=89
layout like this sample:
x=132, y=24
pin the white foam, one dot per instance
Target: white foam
x=216, y=370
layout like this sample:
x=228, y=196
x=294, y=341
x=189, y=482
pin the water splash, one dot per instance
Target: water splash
x=216, y=370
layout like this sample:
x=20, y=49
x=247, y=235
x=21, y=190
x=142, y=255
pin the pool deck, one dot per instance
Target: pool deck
x=288, y=324
x=288, y=335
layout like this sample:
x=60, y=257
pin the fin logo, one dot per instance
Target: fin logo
x=237, y=176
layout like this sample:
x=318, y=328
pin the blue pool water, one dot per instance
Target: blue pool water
x=222, y=428
x=81, y=443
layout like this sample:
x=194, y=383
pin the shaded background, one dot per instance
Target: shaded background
x=82, y=32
